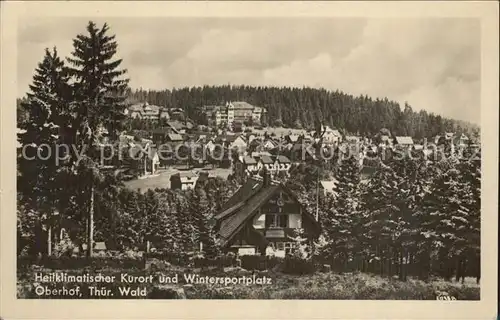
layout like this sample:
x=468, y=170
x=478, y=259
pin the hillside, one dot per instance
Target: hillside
x=301, y=107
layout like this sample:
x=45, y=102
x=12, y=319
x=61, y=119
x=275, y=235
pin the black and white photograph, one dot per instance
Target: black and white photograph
x=249, y=157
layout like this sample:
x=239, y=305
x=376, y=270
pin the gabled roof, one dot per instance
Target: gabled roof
x=179, y=125
x=230, y=225
x=243, y=193
x=293, y=137
x=249, y=160
x=243, y=205
x=174, y=137
x=227, y=138
x=266, y=159
x=282, y=159
x=404, y=140
x=100, y=246
x=242, y=105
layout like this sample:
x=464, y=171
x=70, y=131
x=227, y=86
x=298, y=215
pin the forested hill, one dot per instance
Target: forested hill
x=299, y=107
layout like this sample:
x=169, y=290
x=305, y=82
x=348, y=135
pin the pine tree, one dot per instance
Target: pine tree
x=99, y=102
x=39, y=179
x=341, y=220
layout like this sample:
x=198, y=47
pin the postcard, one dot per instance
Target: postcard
x=231, y=160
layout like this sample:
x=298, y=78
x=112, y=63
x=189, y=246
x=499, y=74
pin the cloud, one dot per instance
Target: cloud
x=432, y=63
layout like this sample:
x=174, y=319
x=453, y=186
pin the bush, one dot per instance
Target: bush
x=299, y=266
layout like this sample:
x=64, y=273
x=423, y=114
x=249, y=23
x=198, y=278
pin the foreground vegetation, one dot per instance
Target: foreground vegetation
x=320, y=285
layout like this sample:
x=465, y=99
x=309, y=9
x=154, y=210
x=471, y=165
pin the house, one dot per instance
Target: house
x=261, y=218
x=385, y=140
x=232, y=142
x=146, y=111
x=145, y=157
x=267, y=163
x=176, y=113
x=461, y=141
x=330, y=136
x=159, y=135
x=181, y=127
x=403, y=141
x=99, y=247
x=269, y=144
x=282, y=164
x=173, y=138
x=183, y=180
x=203, y=178
x=238, y=111
x=291, y=138
x=246, y=166
x=239, y=143
x=353, y=139
x=153, y=161
x=258, y=154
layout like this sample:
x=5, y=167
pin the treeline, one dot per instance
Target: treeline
x=301, y=107
x=412, y=217
x=171, y=221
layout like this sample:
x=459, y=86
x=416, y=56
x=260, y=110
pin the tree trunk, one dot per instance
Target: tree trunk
x=49, y=240
x=90, y=234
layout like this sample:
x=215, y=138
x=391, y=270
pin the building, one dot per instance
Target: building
x=282, y=165
x=238, y=111
x=267, y=163
x=246, y=166
x=331, y=136
x=146, y=111
x=403, y=141
x=262, y=215
x=183, y=180
x=145, y=157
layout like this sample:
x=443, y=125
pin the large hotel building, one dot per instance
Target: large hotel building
x=238, y=111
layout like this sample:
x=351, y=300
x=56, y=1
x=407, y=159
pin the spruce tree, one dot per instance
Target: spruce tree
x=98, y=103
x=39, y=172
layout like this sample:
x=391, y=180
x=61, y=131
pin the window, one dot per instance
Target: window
x=276, y=221
x=289, y=247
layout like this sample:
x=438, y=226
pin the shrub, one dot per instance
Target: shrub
x=296, y=265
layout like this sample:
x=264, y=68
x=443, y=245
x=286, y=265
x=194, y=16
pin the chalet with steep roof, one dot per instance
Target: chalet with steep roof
x=263, y=214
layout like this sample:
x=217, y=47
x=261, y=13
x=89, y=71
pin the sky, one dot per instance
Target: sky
x=432, y=63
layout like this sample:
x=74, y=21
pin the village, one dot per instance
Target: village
x=244, y=150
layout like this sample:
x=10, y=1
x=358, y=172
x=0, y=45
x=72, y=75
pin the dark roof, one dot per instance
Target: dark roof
x=243, y=193
x=249, y=160
x=231, y=225
x=226, y=137
x=244, y=204
x=282, y=159
x=162, y=131
x=266, y=159
x=179, y=125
